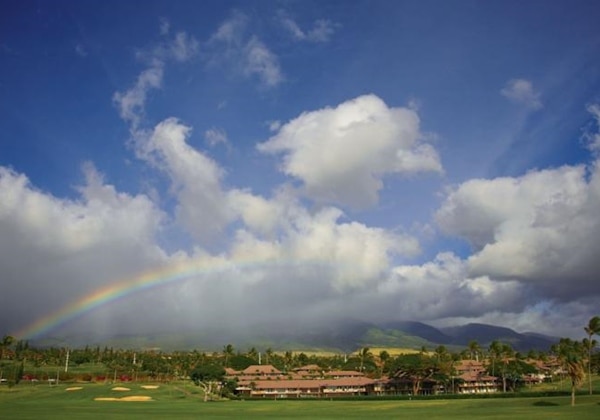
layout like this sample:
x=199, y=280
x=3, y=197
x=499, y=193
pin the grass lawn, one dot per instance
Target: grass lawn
x=180, y=401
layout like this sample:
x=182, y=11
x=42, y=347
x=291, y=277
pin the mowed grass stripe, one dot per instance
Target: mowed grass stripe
x=170, y=401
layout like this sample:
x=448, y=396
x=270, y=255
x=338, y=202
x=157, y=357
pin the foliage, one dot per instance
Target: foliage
x=571, y=355
x=206, y=373
x=418, y=368
x=593, y=328
x=240, y=362
x=209, y=376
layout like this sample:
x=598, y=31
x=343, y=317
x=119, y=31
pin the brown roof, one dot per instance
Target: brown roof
x=261, y=370
x=308, y=368
x=351, y=373
x=474, y=377
x=309, y=383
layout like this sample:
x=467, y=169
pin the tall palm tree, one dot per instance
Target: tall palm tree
x=474, y=349
x=593, y=328
x=384, y=356
x=269, y=353
x=364, y=354
x=571, y=357
x=227, y=352
x=495, y=350
x=507, y=353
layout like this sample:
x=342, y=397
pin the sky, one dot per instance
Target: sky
x=180, y=165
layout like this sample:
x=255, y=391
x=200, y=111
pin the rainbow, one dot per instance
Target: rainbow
x=144, y=281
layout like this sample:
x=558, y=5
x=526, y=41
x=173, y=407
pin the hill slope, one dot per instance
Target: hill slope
x=343, y=336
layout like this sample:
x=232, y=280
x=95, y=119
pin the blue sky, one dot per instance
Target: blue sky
x=440, y=159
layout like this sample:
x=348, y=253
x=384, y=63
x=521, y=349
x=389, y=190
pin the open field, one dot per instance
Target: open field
x=100, y=401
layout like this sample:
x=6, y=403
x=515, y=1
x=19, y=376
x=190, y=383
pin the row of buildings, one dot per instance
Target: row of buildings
x=312, y=381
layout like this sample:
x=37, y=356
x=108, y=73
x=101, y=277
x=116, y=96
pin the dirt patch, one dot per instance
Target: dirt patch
x=74, y=388
x=129, y=398
x=150, y=386
x=120, y=388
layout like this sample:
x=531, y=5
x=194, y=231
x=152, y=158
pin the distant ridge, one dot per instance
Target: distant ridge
x=342, y=335
x=484, y=334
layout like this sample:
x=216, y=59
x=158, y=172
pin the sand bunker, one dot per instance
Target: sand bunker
x=120, y=388
x=129, y=398
x=150, y=386
x=74, y=388
x=136, y=398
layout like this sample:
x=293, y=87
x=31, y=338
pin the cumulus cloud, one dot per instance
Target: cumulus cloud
x=342, y=154
x=521, y=91
x=442, y=288
x=533, y=237
x=556, y=319
x=195, y=178
x=592, y=137
x=356, y=255
x=53, y=250
x=540, y=229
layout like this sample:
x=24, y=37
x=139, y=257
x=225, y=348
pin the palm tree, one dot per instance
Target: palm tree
x=495, y=350
x=364, y=354
x=253, y=354
x=593, y=328
x=506, y=352
x=571, y=356
x=474, y=349
x=6, y=342
x=269, y=354
x=227, y=352
x=384, y=356
x=288, y=359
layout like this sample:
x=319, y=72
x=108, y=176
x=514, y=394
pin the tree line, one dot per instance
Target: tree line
x=576, y=358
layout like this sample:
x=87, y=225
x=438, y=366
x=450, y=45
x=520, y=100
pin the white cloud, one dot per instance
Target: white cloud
x=556, y=319
x=131, y=103
x=355, y=255
x=442, y=288
x=341, y=154
x=215, y=136
x=53, y=250
x=521, y=91
x=183, y=47
x=195, y=178
x=540, y=229
x=262, y=62
x=231, y=45
x=321, y=31
x=232, y=30
x=593, y=137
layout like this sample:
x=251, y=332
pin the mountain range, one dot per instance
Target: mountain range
x=341, y=336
